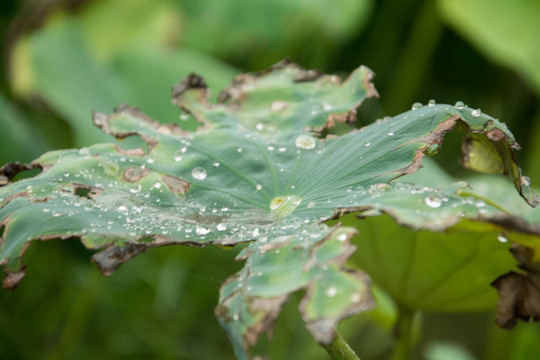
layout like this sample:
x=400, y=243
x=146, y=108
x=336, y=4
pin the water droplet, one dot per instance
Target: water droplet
x=259, y=127
x=282, y=149
x=432, y=102
x=258, y=187
x=390, y=133
x=356, y=297
x=502, y=238
x=135, y=189
x=216, y=163
x=198, y=173
x=122, y=208
x=236, y=317
x=367, y=143
x=157, y=185
x=184, y=117
x=331, y=291
x=255, y=232
x=459, y=105
x=221, y=227
x=277, y=202
x=202, y=230
x=183, y=149
x=150, y=161
x=525, y=180
x=476, y=112
x=433, y=202
x=310, y=205
x=239, y=149
x=177, y=158
x=416, y=106
x=305, y=142
x=342, y=237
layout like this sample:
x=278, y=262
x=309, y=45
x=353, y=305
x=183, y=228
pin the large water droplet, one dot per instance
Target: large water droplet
x=221, y=227
x=432, y=102
x=459, y=105
x=502, y=238
x=342, y=237
x=305, y=142
x=202, y=230
x=416, y=106
x=331, y=291
x=433, y=202
x=476, y=112
x=198, y=173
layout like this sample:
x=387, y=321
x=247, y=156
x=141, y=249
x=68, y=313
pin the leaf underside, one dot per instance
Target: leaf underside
x=257, y=170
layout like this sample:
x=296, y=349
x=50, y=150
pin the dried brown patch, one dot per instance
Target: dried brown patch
x=12, y=279
x=519, y=294
x=111, y=258
x=134, y=174
x=176, y=184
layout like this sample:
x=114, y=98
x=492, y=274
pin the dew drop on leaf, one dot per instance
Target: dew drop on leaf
x=416, y=106
x=525, y=180
x=502, y=238
x=459, y=105
x=305, y=142
x=433, y=202
x=198, y=173
x=221, y=227
x=216, y=163
x=258, y=187
x=331, y=291
x=432, y=102
x=202, y=230
x=476, y=112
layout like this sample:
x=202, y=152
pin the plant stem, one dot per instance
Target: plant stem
x=403, y=332
x=340, y=350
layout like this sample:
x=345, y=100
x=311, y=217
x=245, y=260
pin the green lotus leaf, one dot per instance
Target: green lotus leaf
x=258, y=171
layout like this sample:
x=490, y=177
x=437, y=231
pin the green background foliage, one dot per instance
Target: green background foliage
x=64, y=59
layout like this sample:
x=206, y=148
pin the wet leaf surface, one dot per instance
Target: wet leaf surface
x=257, y=171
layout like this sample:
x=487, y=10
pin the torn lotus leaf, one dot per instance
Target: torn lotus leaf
x=258, y=171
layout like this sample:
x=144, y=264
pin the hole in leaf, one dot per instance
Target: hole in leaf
x=16, y=171
x=82, y=192
x=146, y=239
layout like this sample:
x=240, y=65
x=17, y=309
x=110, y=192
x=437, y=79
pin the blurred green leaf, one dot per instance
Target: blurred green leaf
x=506, y=31
x=287, y=28
x=77, y=66
x=20, y=142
